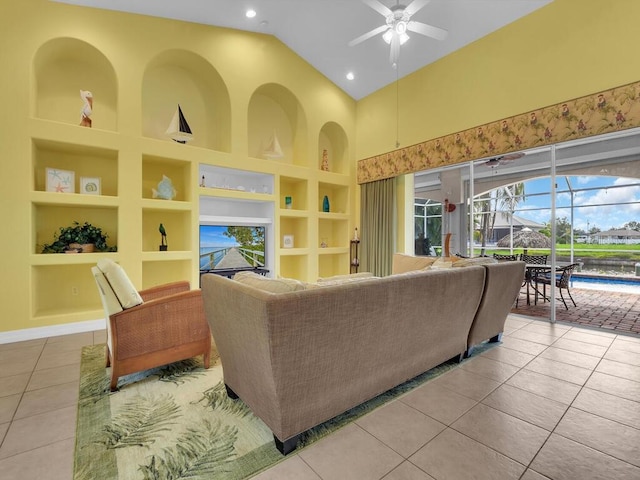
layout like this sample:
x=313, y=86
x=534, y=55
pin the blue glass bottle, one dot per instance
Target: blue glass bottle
x=325, y=204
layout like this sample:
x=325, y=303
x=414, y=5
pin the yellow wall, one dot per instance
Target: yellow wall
x=564, y=50
x=249, y=69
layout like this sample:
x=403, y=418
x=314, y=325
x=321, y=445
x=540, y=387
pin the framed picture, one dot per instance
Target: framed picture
x=62, y=181
x=287, y=241
x=90, y=185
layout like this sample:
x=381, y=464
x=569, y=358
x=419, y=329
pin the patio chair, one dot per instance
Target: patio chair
x=500, y=256
x=530, y=259
x=562, y=281
x=150, y=328
x=534, y=259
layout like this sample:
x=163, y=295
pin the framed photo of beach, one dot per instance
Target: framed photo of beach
x=61, y=181
x=90, y=185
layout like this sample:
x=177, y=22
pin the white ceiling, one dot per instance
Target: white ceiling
x=319, y=30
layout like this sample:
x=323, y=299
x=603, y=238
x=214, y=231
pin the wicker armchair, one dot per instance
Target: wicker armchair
x=152, y=327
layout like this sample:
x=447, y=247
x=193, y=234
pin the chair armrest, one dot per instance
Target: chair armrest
x=165, y=290
x=159, y=324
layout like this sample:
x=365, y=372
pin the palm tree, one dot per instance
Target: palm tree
x=501, y=199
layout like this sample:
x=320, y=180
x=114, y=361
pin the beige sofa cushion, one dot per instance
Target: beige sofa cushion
x=127, y=294
x=406, y=263
x=272, y=285
x=465, y=262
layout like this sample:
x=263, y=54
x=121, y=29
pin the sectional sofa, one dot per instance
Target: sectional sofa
x=299, y=354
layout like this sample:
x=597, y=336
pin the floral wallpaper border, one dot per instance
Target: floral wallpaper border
x=604, y=112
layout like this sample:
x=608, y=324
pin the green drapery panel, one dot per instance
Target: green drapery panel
x=377, y=224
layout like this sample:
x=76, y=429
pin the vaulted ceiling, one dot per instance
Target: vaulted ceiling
x=320, y=30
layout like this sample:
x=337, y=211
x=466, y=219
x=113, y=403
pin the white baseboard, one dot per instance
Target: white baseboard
x=52, y=331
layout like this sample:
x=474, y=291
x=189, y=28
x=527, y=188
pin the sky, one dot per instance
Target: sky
x=211, y=236
x=593, y=208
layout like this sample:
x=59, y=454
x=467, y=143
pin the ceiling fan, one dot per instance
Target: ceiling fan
x=398, y=23
x=503, y=160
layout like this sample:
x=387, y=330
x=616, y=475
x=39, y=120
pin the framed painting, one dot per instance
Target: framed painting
x=90, y=185
x=62, y=181
x=287, y=241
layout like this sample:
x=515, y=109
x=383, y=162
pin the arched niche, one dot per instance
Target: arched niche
x=64, y=66
x=333, y=139
x=179, y=77
x=273, y=109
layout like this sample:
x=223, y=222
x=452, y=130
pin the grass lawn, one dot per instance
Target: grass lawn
x=580, y=250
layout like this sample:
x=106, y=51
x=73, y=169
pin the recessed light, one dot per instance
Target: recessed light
x=350, y=76
x=250, y=13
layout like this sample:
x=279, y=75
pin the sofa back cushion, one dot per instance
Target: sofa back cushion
x=407, y=263
x=120, y=283
x=272, y=285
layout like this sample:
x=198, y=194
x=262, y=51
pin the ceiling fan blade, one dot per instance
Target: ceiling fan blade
x=368, y=35
x=416, y=5
x=428, y=30
x=378, y=7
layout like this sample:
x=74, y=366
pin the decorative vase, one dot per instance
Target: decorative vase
x=325, y=204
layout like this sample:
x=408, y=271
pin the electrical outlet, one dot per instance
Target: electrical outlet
x=74, y=290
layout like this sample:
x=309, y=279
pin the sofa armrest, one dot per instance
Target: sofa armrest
x=165, y=290
x=502, y=286
x=159, y=325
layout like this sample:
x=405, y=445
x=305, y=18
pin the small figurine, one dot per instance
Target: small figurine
x=87, y=108
x=165, y=189
x=179, y=129
x=355, y=235
x=163, y=238
x=325, y=161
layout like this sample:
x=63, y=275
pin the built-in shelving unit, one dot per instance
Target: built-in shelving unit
x=221, y=176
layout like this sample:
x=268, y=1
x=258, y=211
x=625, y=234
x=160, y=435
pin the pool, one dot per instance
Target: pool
x=606, y=283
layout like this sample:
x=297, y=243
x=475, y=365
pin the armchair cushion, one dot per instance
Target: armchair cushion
x=127, y=294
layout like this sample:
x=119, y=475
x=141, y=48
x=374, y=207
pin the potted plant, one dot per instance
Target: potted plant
x=78, y=238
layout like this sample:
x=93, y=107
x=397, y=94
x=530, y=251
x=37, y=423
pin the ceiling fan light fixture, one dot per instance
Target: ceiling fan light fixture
x=387, y=36
x=403, y=38
x=401, y=28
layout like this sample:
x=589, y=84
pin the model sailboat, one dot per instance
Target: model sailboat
x=179, y=129
x=273, y=150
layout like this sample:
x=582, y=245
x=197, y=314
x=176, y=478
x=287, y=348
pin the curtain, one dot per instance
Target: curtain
x=377, y=224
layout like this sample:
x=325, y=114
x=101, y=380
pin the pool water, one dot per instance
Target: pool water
x=606, y=284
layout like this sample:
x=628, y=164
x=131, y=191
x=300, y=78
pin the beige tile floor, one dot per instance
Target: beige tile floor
x=552, y=401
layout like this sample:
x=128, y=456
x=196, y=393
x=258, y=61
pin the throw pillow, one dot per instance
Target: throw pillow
x=120, y=283
x=349, y=276
x=339, y=281
x=407, y=263
x=465, y=262
x=442, y=262
x=272, y=285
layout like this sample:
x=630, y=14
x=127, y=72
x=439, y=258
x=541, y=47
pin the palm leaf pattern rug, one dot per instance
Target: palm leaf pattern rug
x=176, y=422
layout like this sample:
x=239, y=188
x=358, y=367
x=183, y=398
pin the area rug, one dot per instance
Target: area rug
x=176, y=422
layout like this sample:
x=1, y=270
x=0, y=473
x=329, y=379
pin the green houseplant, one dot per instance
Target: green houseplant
x=76, y=237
